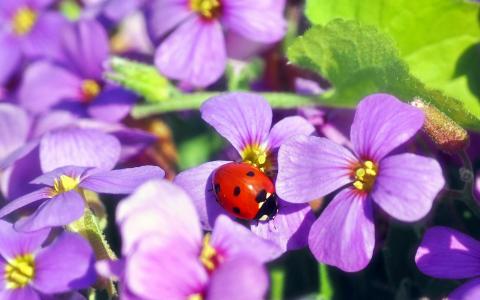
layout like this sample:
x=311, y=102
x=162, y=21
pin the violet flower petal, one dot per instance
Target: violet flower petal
x=344, y=234
x=186, y=275
x=25, y=200
x=60, y=210
x=113, y=269
x=112, y=105
x=10, y=57
x=65, y=265
x=288, y=128
x=467, y=291
x=14, y=128
x=448, y=253
x=85, y=49
x=44, y=41
x=244, y=119
x=259, y=22
x=195, y=53
x=14, y=179
x=197, y=182
x=239, y=278
x=26, y=293
x=158, y=208
x=164, y=15
x=79, y=147
x=230, y=238
x=381, y=124
x=123, y=181
x=38, y=92
x=406, y=186
x=290, y=227
x=311, y=167
x=13, y=243
x=70, y=171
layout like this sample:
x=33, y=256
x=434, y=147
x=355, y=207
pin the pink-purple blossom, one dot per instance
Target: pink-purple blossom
x=402, y=185
x=161, y=230
x=194, y=34
x=78, y=85
x=245, y=120
x=35, y=271
x=62, y=195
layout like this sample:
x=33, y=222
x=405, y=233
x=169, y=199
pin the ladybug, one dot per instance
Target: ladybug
x=245, y=191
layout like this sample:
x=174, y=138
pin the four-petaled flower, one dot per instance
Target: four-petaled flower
x=196, y=51
x=63, y=198
x=161, y=231
x=78, y=84
x=403, y=185
x=30, y=271
x=245, y=120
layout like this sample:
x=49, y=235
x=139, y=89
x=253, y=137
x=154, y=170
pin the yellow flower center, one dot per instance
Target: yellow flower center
x=365, y=176
x=209, y=255
x=258, y=156
x=19, y=271
x=24, y=20
x=209, y=9
x=90, y=89
x=64, y=184
x=197, y=296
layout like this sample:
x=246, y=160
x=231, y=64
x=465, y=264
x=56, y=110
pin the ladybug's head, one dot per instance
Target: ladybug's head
x=269, y=209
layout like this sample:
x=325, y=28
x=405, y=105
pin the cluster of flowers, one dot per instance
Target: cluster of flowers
x=61, y=139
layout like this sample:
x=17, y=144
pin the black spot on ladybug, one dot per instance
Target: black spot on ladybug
x=236, y=191
x=261, y=196
x=217, y=187
x=250, y=174
x=236, y=210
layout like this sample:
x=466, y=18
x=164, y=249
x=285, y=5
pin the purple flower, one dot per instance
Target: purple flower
x=27, y=29
x=62, y=197
x=78, y=85
x=32, y=272
x=245, y=121
x=403, y=185
x=166, y=256
x=449, y=254
x=196, y=51
x=44, y=143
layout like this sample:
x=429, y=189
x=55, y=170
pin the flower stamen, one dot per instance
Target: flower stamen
x=64, y=184
x=90, y=89
x=24, y=20
x=258, y=156
x=209, y=255
x=365, y=175
x=208, y=9
x=19, y=271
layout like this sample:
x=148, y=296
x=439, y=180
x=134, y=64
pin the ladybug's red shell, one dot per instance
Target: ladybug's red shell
x=242, y=190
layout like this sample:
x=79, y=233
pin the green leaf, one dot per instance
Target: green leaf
x=360, y=60
x=437, y=38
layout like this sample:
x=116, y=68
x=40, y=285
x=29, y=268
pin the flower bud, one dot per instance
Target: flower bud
x=447, y=135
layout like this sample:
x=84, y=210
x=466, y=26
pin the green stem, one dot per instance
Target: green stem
x=325, y=290
x=278, y=283
x=467, y=195
x=194, y=101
